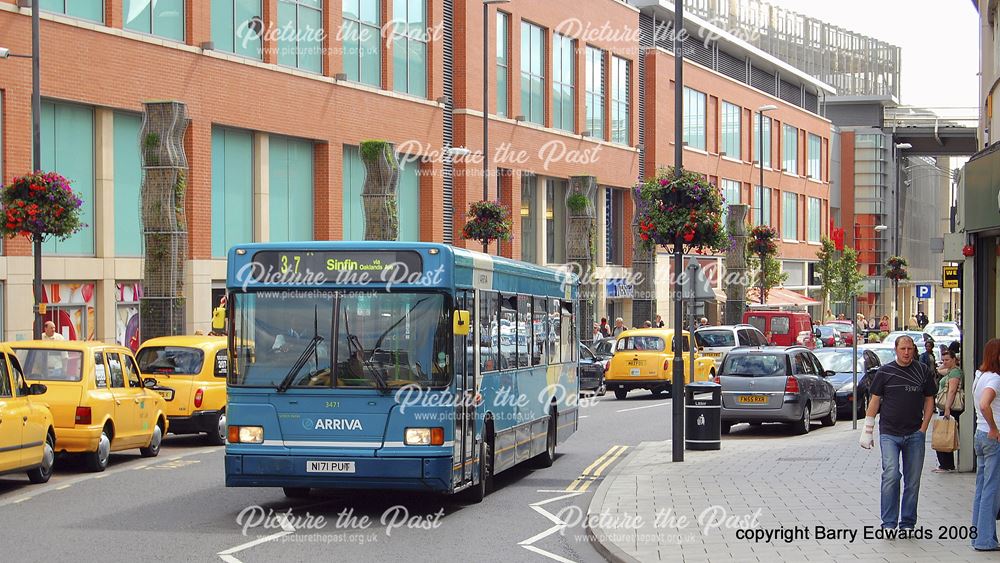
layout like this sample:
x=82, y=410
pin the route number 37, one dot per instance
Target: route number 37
x=286, y=264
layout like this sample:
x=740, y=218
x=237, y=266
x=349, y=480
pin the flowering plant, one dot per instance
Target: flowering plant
x=763, y=240
x=488, y=221
x=687, y=209
x=896, y=268
x=39, y=205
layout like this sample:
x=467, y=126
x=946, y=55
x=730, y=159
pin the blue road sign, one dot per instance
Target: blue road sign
x=923, y=292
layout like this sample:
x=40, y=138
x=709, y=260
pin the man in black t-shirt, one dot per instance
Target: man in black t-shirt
x=903, y=392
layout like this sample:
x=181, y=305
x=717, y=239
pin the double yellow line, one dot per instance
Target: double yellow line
x=594, y=470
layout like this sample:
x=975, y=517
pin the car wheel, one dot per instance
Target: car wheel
x=620, y=394
x=97, y=461
x=296, y=492
x=43, y=472
x=153, y=449
x=756, y=424
x=802, y=426
x=218, y=438
x=831, y=418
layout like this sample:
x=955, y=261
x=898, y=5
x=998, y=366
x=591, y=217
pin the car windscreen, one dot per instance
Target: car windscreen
x=644, y=343
x=838, y=361
x=826, y=330
x=941, y=331
x=754, y=365
x=605, y=348
x=170, y=360
x=715, y=338
x=885, y=355
x=50, y=365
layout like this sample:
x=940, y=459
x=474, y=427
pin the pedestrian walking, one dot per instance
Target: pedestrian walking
x=902, y=392
x=597, y=333
x=922, y=319
x=949, y=386
x=986, y=394
x=659, y=321
x=605, y=327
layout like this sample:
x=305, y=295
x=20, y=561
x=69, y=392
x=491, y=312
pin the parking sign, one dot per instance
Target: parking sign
x=923, y=292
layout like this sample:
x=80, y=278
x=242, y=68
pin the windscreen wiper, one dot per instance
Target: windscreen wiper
x=299, y=364
x=354, y=343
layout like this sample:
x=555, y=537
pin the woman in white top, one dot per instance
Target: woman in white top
x=986, y=397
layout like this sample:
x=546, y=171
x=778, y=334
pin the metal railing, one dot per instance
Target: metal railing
x=935, y=117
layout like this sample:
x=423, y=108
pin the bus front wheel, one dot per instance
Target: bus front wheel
x=548, y=457
x=477, y=492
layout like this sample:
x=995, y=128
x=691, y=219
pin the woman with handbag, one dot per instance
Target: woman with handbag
x=950, y=401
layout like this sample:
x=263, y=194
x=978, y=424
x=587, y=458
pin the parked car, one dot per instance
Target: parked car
x=846, y=329
x=715, y=341
x=885, y=353
x=806, y=339
x=644, y=360
x=918, y=338
x=776, y=385
x=191, y=374
x=828, y=335
x=838, y=360
x=28, y=440
x=604, y=348
x=98, y=401
x=781, y=327
x=591, y=372
x=943, y=334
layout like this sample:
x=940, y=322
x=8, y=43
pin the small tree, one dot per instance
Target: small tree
x=773, y=276
x=763, y=243
x=848, y=279
x=826, y=269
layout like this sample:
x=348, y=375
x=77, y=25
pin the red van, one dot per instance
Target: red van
x=780, y=327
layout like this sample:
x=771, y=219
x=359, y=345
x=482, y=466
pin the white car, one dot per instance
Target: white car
x=943, y=333
x=716, y=341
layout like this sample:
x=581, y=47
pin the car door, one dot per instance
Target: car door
x=141, y=398
x=824, y=388
x=805, y=372
x=12, y=409
x=125, y=417
x=743, y=338
x=35, y=413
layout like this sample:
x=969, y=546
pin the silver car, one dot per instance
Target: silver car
x=716, y=341
x=776, y=385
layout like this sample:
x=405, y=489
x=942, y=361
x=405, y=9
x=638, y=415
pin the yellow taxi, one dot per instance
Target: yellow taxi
x=643, y=360
x=191, y=376
x=98, y=400
x=27, y=435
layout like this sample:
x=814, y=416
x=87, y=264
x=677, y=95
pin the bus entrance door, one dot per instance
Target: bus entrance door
x=465, y=390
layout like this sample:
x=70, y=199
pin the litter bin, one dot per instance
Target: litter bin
x=703, y=419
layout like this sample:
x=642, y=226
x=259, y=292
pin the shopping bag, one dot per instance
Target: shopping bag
x=944, y=437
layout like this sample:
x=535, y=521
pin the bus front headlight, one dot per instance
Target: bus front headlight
x=246, y=435
x=424, y=437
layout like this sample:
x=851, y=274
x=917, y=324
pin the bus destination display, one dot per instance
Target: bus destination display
x=342, y=266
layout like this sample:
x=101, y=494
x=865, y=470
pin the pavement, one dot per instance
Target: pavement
x=721, y=505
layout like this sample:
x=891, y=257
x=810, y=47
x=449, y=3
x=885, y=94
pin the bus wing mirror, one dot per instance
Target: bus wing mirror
x=461, y=323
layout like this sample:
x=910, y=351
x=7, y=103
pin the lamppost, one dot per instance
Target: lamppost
x=760, y=188
x=36, y=150
x=486, y=100
x=898, y=233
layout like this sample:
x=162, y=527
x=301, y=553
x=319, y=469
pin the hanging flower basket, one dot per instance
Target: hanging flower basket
x=763, y=240
x=40, y=205
x=896, y=269
x=686, y=209
x=488, y=221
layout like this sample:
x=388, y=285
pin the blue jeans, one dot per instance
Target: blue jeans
x=912, y=448
x=987, y=501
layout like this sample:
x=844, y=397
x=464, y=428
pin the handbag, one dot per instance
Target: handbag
x=944, y=437
x=958, y=406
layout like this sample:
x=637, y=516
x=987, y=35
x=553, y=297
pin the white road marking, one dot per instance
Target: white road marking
x=546, y=501
x=286, y=527
x=544, y=534
x=645, y=407
x=547, y=554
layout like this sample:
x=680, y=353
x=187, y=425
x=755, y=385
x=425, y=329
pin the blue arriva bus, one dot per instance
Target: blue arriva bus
x=388, y=365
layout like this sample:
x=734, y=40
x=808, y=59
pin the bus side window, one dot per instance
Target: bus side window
x=524, y=332
x=540, y=332
x=489, y=329
x=570, y=349
x=508, y=331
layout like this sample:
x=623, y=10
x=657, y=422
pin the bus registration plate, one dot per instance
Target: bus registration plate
x=329, y=466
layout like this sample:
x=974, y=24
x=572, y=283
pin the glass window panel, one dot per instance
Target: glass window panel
x=370, y=11
x=68, y=146
x=352, y=57
x=528, y=214
x=247, y=40
x=351, y=9
x=815, y=157
x=502, y=91
x=409, y=200
x=814, y=219
x=223, y=34
x=371, y=56
x=232, y=189
x=353, y=184
x=790, y=216
x=128, y=184
x=790, y=140
x=287, y=46
x=168, y=19
x=137, y=15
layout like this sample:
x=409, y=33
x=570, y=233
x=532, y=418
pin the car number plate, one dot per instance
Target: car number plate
x=329, y=466
x=752, y=399
x=167, y=394
x=713, y=354
x=634, y=371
